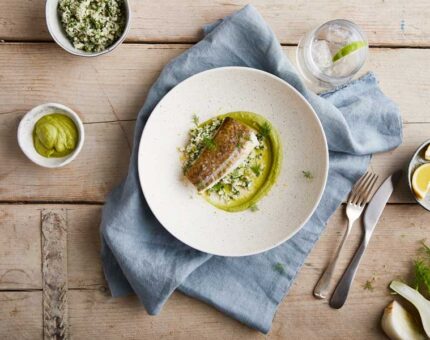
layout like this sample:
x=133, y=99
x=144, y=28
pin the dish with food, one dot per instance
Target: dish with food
x=419, y=175
x=92, y=25
x=55, y=135
x=88, y=28
x=51, y=135
x=233, y=161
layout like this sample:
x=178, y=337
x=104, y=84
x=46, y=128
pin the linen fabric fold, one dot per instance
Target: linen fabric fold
x=140, y=256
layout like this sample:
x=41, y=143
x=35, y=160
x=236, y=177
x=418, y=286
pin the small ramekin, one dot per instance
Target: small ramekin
x=57, y=32
x=25, y=135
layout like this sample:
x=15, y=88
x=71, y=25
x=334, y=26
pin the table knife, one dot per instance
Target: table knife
x=371, y=217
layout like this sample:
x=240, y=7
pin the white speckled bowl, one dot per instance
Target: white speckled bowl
x=417, y=160
x=25, y=134
x=56, y=30
x=290, y=202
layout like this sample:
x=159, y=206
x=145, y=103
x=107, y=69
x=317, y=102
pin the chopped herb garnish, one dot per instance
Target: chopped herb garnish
x=217, y=187
x=369, y=285
x=265, y=129
x=209, y=143
x=256, y=169
x=239, y=145
x=254, y=208
x=308, y=175
x=92, y=26
x=279, y=267
x=196, y=120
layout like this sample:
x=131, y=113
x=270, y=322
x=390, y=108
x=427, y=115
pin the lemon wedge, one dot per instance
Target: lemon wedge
x=421, y=181
x=427, y=153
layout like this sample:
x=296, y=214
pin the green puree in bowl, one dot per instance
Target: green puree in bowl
x=55, y=135
x=271, y=159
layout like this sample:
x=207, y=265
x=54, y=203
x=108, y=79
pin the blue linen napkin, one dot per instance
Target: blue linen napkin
x=140, y=256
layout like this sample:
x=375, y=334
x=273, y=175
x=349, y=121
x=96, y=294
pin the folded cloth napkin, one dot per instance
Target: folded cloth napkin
x=140, y=255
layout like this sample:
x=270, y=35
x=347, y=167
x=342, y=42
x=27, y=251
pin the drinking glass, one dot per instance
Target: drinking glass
x=332, y=53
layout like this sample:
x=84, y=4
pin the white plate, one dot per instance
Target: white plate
x=291, y=201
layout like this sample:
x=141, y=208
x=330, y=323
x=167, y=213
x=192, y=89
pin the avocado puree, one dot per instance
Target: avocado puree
x=55, y=135
x=272, y=160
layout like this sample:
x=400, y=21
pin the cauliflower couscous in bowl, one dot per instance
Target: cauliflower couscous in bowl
x=88, y=28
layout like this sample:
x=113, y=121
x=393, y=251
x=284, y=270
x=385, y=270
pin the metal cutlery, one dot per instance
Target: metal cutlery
x=371, y=217
x=354, y=207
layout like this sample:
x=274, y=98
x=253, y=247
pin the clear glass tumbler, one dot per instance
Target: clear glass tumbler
x=332, y=54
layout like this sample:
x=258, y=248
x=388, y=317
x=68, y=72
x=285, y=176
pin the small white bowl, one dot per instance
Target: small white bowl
x=56, y=30
x=25, y=134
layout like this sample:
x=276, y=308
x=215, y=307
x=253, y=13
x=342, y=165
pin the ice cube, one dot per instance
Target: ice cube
x=338, y=34
x=321, y=54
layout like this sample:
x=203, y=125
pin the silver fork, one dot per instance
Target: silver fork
x=354, y=208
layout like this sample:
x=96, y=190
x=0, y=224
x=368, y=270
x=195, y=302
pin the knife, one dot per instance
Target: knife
x=371, y=217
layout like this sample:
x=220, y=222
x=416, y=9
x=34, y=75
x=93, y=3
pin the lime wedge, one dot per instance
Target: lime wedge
x=348, y=49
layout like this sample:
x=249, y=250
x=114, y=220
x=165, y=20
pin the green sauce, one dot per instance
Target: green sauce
x=55, y=135
x=271, y=158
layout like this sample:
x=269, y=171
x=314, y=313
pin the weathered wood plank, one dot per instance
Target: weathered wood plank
x=96, y=315
x=101, y=165
x=114, y=87
x=19, y=248
x=108, y=88
x=85, y=269
x=93, y=312
x=386, y=23
x=104, y=159
x=54, y=269
x=389, y=256
x=21, y=315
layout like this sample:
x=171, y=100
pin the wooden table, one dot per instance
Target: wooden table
x=108, y=92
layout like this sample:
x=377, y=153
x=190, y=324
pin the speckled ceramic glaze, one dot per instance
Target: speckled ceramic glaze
x=25, y=134
x=416, y=161
x=56, y=30
x=291, y=201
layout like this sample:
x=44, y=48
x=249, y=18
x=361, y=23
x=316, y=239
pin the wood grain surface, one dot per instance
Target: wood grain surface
x=93, y=312
x=388, y=22
x=113, y=87
x=108, y=92
x=54, y=270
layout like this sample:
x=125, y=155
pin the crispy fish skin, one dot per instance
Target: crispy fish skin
x=233, y=142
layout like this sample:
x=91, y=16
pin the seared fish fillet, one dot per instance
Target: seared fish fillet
x=232, y=143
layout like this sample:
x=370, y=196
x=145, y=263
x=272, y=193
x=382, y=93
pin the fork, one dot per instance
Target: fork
x=354, y=208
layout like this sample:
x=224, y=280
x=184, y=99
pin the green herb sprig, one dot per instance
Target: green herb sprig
x=265, y=129
x=256, y=169
x=422, y=270
x=209, y=143
x=196, y=120
x=307, y=174
x=279, y=267
x=368, y=285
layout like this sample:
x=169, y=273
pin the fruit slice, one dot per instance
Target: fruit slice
x=427, y=153
x=348, y=49
x=421, y=181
